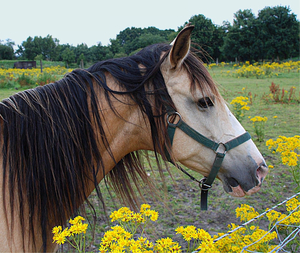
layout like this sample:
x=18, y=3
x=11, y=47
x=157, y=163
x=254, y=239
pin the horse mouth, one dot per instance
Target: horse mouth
x=237, y=189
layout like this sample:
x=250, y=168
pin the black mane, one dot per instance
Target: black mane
x=49, y=148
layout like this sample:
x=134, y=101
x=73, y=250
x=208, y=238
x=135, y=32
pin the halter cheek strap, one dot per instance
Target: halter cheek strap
x=205, y=183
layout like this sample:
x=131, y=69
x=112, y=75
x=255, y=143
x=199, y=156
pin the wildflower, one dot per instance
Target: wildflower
x=259, y=126
x=144, y=207
x=240, y=104
x=292, y=204
x=246, y=213
x=76, y=220
x=77, y=227
x=59, y=238
x=288, y=147
x=56, y=229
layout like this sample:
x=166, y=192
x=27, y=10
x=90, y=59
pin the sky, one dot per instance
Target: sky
x=92, y=21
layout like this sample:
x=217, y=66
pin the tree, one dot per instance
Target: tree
x=7, y=50
x=29, y=49
x=132, y=39
x=116, y=48
x=279, y=32
x=205, y=35
x=147, y=39
x=68, y=56
x=81, y=60
x=241, y=41
x=39, y=46
x=82, y=50
x=100, y=53
x=48, y=47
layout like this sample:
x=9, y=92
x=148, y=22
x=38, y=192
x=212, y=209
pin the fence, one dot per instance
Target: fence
x=283, y=241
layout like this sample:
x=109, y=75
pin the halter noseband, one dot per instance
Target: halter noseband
x=206, y=183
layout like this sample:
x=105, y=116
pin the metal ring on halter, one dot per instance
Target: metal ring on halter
x=225, y=148
x=203, y=186
x=172, y=124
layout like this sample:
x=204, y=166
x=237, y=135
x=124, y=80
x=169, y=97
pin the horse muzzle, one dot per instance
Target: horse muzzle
x=237, y=186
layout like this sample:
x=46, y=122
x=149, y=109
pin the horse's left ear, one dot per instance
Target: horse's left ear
x=180, y=46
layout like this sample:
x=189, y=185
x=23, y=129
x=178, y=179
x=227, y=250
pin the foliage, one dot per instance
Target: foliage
x=6, y=50
x=274, y=34
x=259, y=126
x=240, y=104
x=264, y=70
x=45, y=78
x=125, y=238
x=35, y=46
x=279, y=32
x=289, y=150
x=31, y=77
x=241, y=41
x=24, y=80
x=282, y=95
x=68, y=56
x=207, y=36
x=74, y=235
x=133, y=38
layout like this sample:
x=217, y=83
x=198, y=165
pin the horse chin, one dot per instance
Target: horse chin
x=239, y=192
x=234, y=191
x=233, y=188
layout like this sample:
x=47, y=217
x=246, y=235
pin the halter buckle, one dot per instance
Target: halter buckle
x=203, y=186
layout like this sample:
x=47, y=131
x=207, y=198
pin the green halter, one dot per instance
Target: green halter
x=205, y=183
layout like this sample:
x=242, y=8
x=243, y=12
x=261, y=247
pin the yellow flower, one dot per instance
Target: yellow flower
x=179, y=230
x=59, y=239
x=78, y=228
x=144, y=207
x=292, y=204
x=154, y=216
x=245, y=213
x=56, y=229
x=76, y=220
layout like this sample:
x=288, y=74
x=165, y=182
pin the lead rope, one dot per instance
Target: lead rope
x=206, y=183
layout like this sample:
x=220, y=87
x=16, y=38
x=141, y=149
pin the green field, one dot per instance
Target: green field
x=182, y=196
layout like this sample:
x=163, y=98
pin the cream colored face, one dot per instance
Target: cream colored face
x=243, y=168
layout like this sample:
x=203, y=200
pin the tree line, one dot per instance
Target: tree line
x=272, y=35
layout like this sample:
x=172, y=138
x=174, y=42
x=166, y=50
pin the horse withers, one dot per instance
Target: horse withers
x=60, y=140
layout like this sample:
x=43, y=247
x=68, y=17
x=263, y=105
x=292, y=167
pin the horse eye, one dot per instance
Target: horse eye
x=205, y=102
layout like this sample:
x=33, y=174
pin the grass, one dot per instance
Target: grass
x=5, y=93
x=182, y=195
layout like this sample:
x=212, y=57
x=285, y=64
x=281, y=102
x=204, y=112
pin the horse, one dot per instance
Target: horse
x=60, y=140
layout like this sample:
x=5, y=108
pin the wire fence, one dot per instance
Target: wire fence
x=294, y=230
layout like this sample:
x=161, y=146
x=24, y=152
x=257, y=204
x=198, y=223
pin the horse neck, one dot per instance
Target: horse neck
x=126, y=127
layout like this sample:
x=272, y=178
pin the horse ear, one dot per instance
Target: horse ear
x=180, y=46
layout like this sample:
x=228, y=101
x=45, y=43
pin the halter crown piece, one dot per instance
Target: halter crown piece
x=206, y=183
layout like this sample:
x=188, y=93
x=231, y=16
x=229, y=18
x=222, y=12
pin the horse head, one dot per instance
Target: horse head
x=199, y=105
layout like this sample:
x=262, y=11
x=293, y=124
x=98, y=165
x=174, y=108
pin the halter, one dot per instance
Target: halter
x=206, y=183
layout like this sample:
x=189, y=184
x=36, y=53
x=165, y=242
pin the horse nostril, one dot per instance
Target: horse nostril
x=261, y=173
